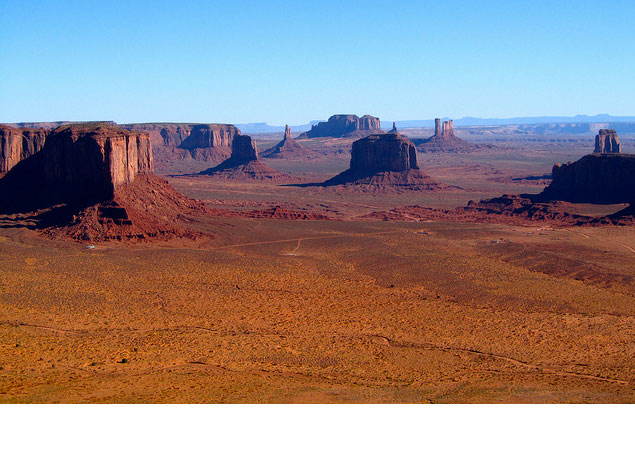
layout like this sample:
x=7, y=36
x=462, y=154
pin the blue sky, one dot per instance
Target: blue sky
x=291, y=62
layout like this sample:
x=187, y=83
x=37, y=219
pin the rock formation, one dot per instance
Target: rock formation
x=288, y=149
x=606, y=176
x=598, y=178
x=437, y=127
x=194, y=144
x=444, y=141
x=383, y=162
x=394, y=128
x=18, y=144
x=595, y=178
x=96, y=179
x=342, y=124
x=448, y=130
x=383, y=153
x=606, y=141
x=244, y=164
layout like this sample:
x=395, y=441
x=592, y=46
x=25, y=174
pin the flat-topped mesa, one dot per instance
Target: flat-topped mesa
x=95, y=161
x=209, y=136
x=18, y=144
x=596, y=178
x=606, y=141
x=384, y=163
x=78, y=164
x=173, y=144
x=448, y=129
x=383, y=153
x=344, y=124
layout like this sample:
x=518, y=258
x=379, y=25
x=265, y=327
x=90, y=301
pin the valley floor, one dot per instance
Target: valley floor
x=322, y=311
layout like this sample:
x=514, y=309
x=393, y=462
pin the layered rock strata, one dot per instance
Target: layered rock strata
x=384, y=162
x=18, y=144
x=606, y=141
x=342, y=124
x=79, y=163
x=194, y=144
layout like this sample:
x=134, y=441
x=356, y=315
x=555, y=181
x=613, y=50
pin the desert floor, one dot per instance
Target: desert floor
x=346, y=311
x=288, y=311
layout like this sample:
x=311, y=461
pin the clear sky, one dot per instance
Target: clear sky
x=291, y=62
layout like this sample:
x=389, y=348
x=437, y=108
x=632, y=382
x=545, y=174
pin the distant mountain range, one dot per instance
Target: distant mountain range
x=264, y=128
x=477, y=121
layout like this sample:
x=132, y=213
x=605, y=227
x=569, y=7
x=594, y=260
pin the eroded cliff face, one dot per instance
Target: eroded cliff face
x=606, y=141
x=343, y=124
x=595, y=178
x=385, y=152
x=187, y=136
x=606, y=176
x=78, y=163
x=208, y=136
x=101, y=159
x=175, y=143
x=18, y=144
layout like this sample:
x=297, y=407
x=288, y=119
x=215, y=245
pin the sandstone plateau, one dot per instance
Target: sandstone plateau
x=244, y=164
x=383, y=162
x=94, y=176
x=18, y=144
x=344, y=125
x=172, y=142
x=288, y=149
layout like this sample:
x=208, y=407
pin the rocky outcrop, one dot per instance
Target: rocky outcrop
x=288, y=149
x=209, y=136
x=601, y=177
x=78, y=163
x=384, y=162
x=448, y=130
x=244, y=164
x=394, y=128
x=18, y=144
x=344, y=125
x=383, y=153
x=595, y=178
x=606, y=141
x=444, y=141
x=94, y=161
x=94, y=182
x=191, y=145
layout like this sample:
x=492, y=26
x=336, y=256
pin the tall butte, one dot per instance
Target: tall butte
x=288, y=149
x=605, y=176
x=383, y=162
x=444, y=140
x=244, y=164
